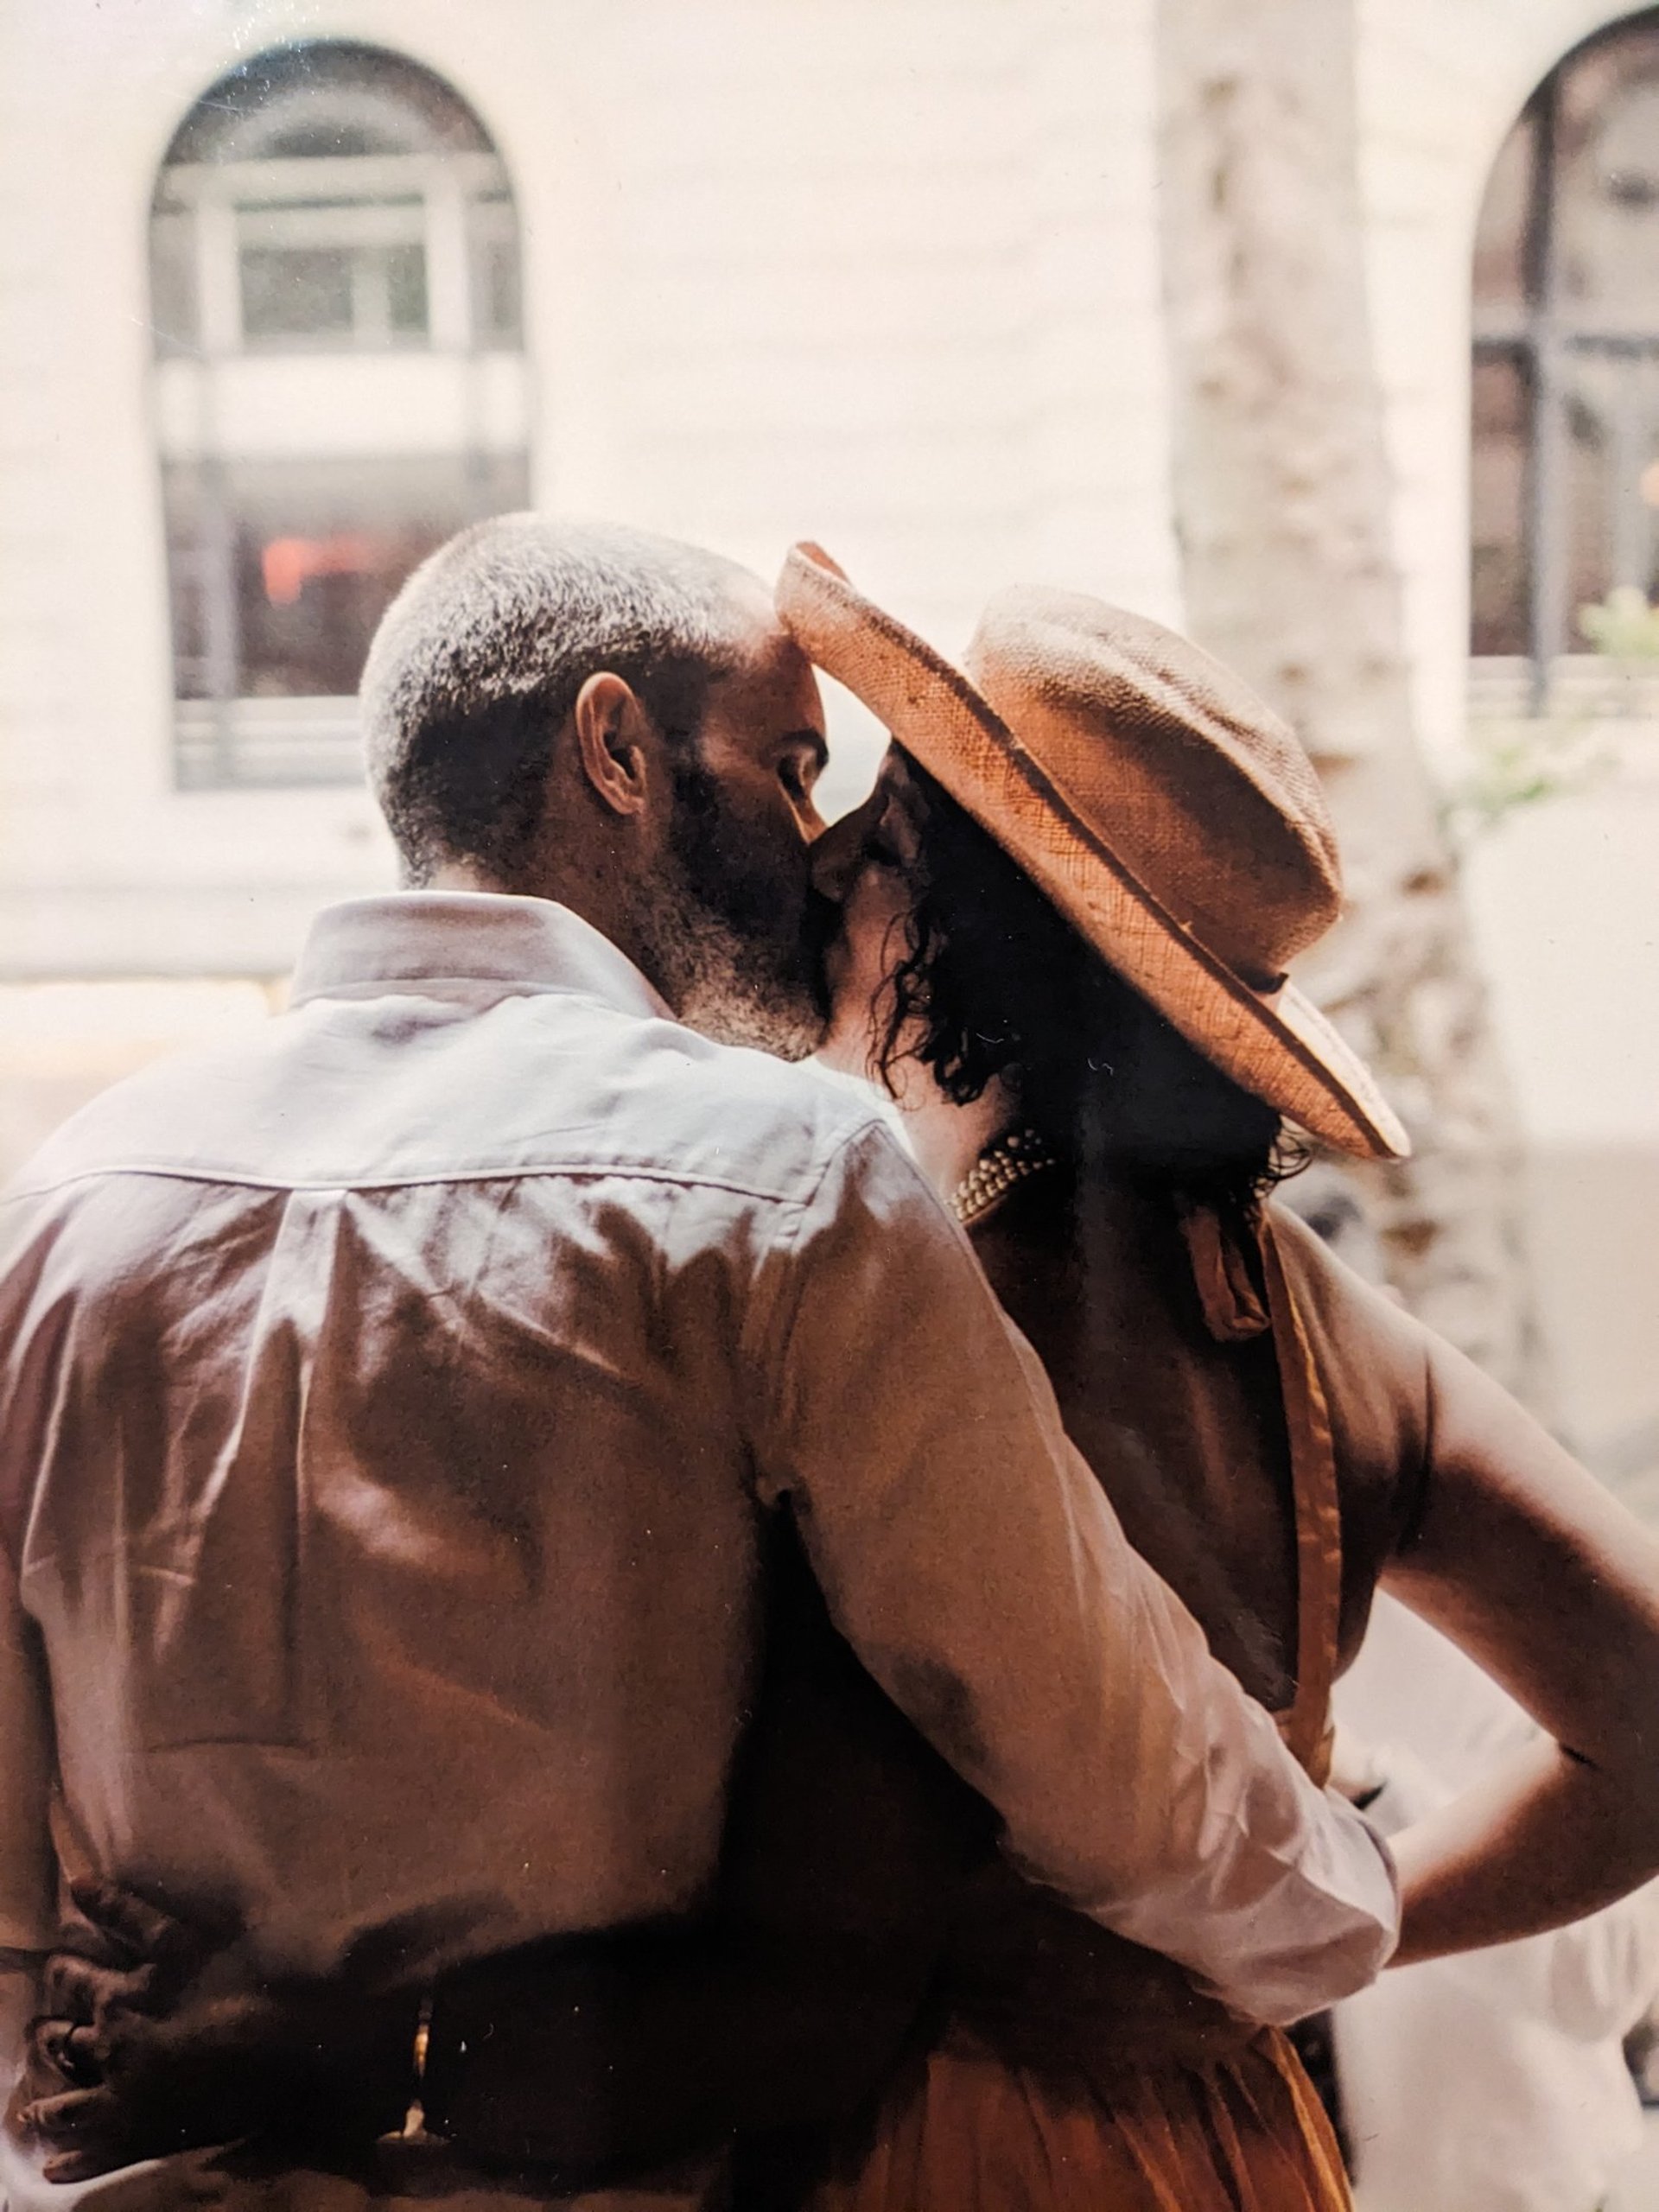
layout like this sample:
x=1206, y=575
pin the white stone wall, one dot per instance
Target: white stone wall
x=879, y=274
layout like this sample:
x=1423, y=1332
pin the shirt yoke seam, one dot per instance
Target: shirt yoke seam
x=505, y=1172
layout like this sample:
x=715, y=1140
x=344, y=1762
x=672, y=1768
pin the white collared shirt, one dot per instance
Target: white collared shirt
x=389, y=1403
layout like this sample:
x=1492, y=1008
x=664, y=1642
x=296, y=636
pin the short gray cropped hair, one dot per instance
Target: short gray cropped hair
x=478, y=661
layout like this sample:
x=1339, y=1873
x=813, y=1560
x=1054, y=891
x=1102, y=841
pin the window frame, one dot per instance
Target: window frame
x=452, y=190
x=234, y=405
x=1544, y=336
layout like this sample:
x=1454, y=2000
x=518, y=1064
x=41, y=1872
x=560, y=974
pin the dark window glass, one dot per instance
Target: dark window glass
x=1586, y=500
x=281, y=570
x=1498, y=503
x=1501, y=242
x=297, y=292
x=326, y=98
x=493, y=246
x=405, y=285
x=1606, y=245
x=345, y=274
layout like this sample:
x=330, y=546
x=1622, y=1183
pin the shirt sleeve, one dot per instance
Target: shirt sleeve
x=28, y=1888
x=27, y=1750
x=972, y=1560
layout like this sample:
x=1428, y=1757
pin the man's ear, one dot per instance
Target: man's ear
x=613, y=733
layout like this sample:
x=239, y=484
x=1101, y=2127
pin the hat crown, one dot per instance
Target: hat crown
x=1172, y=818
x=1174, y=764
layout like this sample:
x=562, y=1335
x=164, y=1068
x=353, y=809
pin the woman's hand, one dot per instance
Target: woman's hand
x=116, y=2040
x=154, y=2039
x=1539, y=1574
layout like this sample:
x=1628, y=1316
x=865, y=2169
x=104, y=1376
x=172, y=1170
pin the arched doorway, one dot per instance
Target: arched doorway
x=1565, y=484
x=340, y=384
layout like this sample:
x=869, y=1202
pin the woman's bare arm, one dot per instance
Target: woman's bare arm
x=1528, y=1563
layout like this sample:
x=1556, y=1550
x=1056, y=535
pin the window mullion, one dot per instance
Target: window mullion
x=449, y=292
x=221, y=616
x=1629, y=428
x=371, y=299
x=1549, y=552
x=218, y=276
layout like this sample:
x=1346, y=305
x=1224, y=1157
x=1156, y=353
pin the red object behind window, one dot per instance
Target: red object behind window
x=288, y=563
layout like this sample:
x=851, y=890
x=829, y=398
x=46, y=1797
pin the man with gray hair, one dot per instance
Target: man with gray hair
x=396, y=1405
x=469, y=682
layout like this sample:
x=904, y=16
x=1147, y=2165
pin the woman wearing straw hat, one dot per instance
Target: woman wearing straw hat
x=1068, y=908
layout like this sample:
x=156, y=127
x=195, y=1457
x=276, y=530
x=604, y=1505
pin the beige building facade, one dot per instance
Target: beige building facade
x=885, y=274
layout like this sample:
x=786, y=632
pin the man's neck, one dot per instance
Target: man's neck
x=466, y=875
x=599, y=912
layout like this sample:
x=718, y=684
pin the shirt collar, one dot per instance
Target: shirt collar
x=408, y=938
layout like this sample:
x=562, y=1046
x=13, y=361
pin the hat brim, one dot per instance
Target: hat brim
x=1275, y=1042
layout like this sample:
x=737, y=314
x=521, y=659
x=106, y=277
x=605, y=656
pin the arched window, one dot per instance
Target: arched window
x=1566, y=433
x=340, y=384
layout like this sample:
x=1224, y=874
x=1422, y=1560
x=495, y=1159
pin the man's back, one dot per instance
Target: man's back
x=388, y=1526
x=389, y=1409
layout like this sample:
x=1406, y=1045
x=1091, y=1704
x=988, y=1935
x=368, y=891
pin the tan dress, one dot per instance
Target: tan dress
x=1074, y=2071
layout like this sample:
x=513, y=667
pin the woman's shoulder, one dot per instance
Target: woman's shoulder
x=1371, y=1359
x=1359, y=1331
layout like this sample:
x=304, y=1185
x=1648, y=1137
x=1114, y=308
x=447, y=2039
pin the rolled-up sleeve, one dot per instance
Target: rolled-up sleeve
x=973, y=1562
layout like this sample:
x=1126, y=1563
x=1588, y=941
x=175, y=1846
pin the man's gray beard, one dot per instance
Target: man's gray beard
x=725, y=985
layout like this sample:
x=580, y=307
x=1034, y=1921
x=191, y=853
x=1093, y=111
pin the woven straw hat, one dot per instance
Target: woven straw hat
x=1171, y=816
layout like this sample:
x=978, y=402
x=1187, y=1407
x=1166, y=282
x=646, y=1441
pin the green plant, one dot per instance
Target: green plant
x=1623, y=626
x=1520, y=766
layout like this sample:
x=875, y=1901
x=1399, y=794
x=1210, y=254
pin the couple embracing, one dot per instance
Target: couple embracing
x=591, y=1617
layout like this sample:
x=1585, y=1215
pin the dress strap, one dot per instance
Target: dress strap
x=1306, y=1726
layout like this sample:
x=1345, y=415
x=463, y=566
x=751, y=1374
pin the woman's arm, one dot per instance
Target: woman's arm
x=1420, y=1721
x=1533, y=1569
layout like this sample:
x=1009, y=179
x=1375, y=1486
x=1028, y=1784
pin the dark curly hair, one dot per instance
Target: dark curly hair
x=995, y=982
